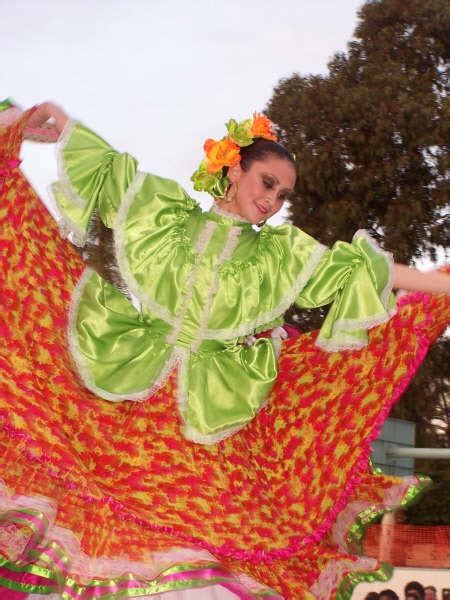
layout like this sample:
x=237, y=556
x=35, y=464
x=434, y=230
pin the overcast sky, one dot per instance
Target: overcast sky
x=157, y=77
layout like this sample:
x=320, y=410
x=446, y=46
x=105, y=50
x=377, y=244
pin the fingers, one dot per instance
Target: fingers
x=47, y=133
x=45, y=123
x=39, y=116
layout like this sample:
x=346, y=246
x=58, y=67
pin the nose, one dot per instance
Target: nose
x=271, y=197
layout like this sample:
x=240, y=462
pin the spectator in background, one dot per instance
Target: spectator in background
x=414, y=591
x=372, y=596
x=430, y=592
x=388, y=595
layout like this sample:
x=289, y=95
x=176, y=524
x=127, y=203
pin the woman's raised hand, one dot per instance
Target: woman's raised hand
x=45, y=123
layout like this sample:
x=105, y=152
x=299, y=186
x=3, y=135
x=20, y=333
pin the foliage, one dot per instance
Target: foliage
x=371, y=138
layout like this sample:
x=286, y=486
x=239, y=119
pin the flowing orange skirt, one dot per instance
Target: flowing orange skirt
x=108, y=500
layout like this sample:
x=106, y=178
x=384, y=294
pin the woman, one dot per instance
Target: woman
x=199, y=485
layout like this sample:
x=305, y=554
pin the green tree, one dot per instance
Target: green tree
x=371, y=140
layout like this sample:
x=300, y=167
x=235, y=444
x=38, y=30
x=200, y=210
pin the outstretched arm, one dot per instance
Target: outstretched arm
x=409, y=278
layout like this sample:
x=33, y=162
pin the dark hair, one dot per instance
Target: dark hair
x=261, y=149
x=389, y=594
x=372, y=596
x=416, y=588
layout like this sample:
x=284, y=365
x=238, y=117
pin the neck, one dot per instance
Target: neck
x=222, y=208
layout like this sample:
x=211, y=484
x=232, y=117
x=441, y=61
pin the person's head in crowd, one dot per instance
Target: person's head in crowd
x=414, y=591
x=372, y=596
x=430, y=592
x=388, y=595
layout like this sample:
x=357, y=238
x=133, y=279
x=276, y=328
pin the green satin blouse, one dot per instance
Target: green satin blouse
x=202, y=284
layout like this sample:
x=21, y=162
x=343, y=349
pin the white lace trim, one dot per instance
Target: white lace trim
x=269, y=316
x=122, y=260
x=224, y=213
x=83, y=369
x=66, y=185
x=226, y=254
x=388, y=256
x=392, y=499
x=200, y=247
x=193, y=435
x=342, y=325
x=346, y=341
x=68, y=228
x=335, y=570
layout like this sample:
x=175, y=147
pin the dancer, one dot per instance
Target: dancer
x=213, y=462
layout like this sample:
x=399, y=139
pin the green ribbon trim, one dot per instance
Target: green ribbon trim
x=346, y=589
x=149, y=588
x=190, y=567
x=154, y=587
x=29, y=588
x=356, y=534
x=27, y=568
x=357, y=531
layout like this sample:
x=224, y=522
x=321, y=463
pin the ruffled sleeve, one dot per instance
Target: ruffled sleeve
x=357, y=279
x=91, y=175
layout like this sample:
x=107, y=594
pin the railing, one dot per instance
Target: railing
x=404, y=452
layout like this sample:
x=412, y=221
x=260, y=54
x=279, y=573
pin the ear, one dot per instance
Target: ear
x=234, y=173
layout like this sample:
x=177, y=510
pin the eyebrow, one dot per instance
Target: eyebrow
x=275, y=178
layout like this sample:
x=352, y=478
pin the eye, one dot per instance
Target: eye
x=268, y=183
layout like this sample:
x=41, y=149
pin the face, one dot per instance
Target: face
x=260, y=192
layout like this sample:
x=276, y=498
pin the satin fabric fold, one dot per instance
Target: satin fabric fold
x=356, y=278
x=231, y=375
x=118, y=350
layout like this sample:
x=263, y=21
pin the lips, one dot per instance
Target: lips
x=262, y=209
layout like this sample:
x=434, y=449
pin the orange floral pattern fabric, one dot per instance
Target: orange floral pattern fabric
x=124, y=479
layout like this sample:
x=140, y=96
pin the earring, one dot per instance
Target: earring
x=230, y=193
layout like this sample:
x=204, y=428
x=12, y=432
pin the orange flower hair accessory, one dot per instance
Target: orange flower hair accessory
x=223, y=153
x=262, y=127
